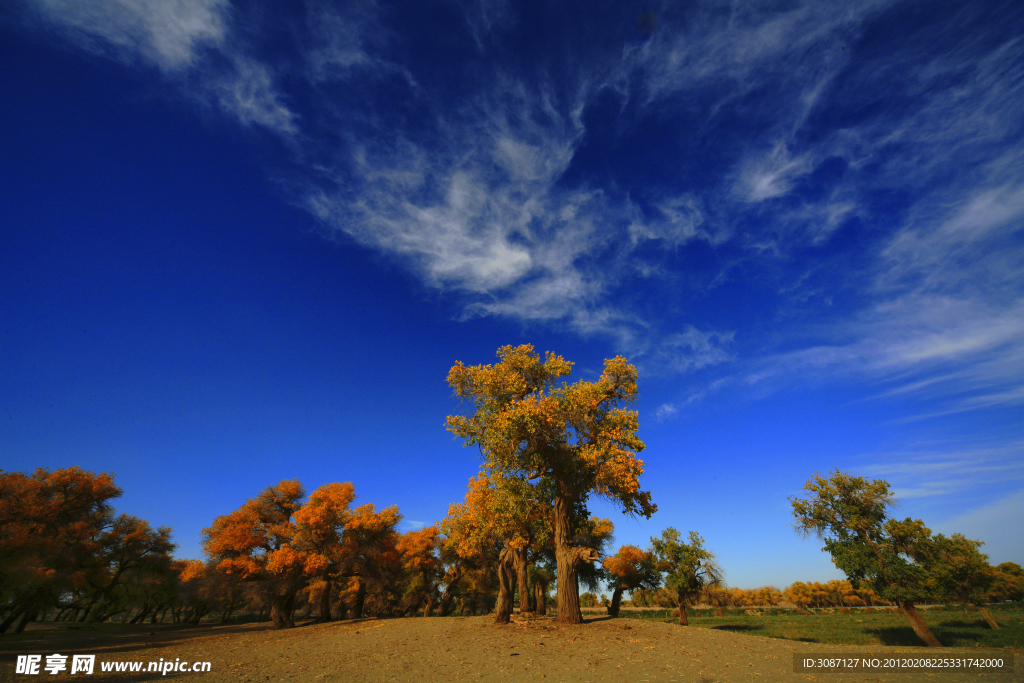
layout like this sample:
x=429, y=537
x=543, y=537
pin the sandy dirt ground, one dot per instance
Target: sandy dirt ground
x=463, y=649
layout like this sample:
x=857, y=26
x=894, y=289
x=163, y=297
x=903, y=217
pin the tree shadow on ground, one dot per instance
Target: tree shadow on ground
x=904, y=635
x=592, y=620
x=124, y=638
x=960, y=623
x=737, y=627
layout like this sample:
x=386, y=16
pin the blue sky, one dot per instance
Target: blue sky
x=244, y=242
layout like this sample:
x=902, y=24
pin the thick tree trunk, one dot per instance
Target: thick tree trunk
x=917, y=623
x=452, y=580
x=682, y=612
x=94, y=613
x=325, y=603
x=227, y=613
x=281, y=610
x=568, y=559
x=613, y=608
x=428, y=605
x=539, y=602
x=506, y=574
x=988, y=617
x=523, y=580
x=26, y=617
x=12, y=617
x=445, y=606
x=411, y=605
x=198, y=615
x=357, y=607
x=469, y=606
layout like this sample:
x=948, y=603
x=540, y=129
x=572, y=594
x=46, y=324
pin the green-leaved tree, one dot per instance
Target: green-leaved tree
x=891, y=557
x=689, y=567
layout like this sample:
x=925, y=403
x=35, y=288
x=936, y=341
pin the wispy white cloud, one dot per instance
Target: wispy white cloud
x=737, y=45
x=669, y=411
x=249, y=92
x=771, y=174
x=992, y=523
x=169, y=34
x=933, y=468
x=475, y=198
x=665, y=411
x=691, y=349
x=474, y=208
x=484, y=16
x=970, y=476
x=952, y=251
x=179, y=37
x=961, y=350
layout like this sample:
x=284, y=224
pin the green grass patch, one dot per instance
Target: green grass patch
x=954, y=626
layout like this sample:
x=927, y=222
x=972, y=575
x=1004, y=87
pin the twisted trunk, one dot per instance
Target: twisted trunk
x=568, y=559
x=503, y=609
x=13, y=616
x=917, y=623
x=325, y=602
x=988, y=617
x=539, y=591
x=524, y=582
x=428, y=606
x=682, y=612
x=143, y=611
x=357, y=607
x=227, y=613
x=281, y=607
x=199, y=613
x=446, y=600
x=27, y=617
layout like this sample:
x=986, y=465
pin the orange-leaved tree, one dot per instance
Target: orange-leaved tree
x=320, y=524
x=1007, y=583
x=256, y=543
x=507, y=511
x=470, y=534
x=573, y=440
x=631, y=569
x=418, y=550
x=50, y=522
x=128, y=544
x=369, y=560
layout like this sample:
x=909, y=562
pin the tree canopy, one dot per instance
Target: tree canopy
x=689, y=567
x=897, y=559
x=573, y=440
x=630, y=569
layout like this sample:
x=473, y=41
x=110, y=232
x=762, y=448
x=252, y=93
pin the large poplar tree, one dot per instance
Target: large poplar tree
x=573, y=440
x=889, y=556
